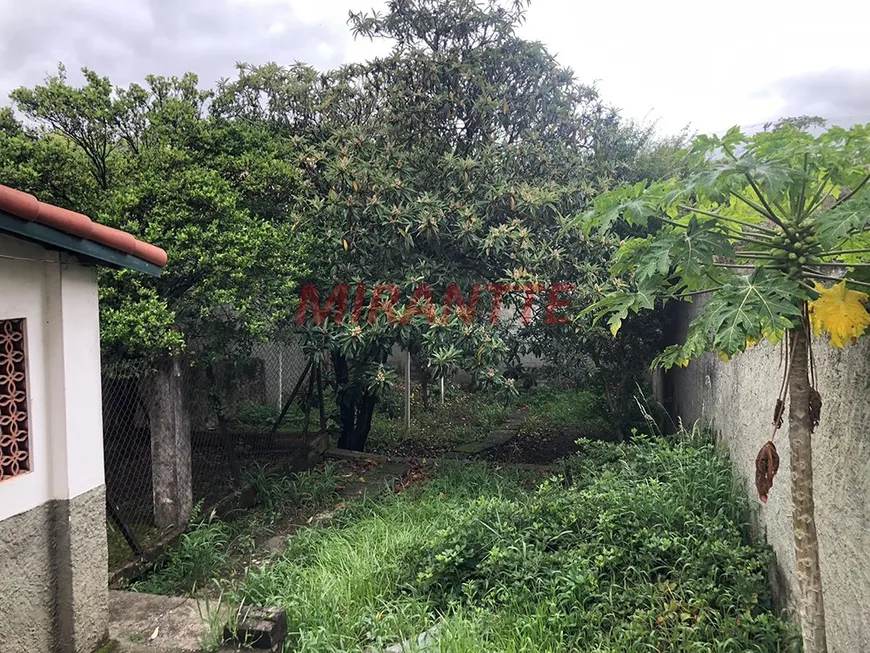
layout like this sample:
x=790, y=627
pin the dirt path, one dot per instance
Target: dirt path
x=366, y=477
x=502, y=435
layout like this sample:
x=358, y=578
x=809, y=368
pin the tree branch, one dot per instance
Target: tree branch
x=822, y=264
x=693, y=293
x=763, y=210
x=818, y=197
x=731, y=234
x=814, y=275
x=845, y=251
x=852, y=193
x=744, y=266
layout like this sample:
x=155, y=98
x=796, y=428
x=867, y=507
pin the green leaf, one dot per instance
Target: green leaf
x=836, y=226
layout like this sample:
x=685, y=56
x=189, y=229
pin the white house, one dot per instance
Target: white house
x=53, y=559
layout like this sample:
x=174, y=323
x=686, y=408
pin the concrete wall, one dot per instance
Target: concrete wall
x=53, y=592
x=738, y=399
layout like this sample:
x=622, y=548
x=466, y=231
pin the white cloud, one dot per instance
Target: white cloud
x=681, y=61
x=325, y=50
x=708, y=63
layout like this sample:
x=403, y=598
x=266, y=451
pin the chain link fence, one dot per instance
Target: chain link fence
x=178, y=441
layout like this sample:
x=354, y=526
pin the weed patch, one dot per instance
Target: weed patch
x=212, y=549
x=641, y=546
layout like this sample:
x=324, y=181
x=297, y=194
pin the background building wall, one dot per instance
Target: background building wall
x=738, y=398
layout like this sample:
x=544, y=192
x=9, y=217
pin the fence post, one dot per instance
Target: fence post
x=280, y=375
x=171, y=477
x=408, y=392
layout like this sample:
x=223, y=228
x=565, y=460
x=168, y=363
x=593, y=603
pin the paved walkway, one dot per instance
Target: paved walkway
x=146, y=623
x=505, y=433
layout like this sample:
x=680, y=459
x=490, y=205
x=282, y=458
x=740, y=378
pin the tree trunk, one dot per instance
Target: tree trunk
x=306, y=408
x=343, y=399
x=424, y=384
x=320, y=405
x=169, y=422
x=806, y=543
x=355, y=412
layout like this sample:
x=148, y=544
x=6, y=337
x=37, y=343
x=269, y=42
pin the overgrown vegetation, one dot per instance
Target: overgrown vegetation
x=634, y=547
x=464, y=417
x=213, y=548
x=776, y=228
x=583, y=413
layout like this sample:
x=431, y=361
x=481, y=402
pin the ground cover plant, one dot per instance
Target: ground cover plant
x=774, y=227
x=640, y=546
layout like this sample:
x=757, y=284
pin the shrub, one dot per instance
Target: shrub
x=640, y=546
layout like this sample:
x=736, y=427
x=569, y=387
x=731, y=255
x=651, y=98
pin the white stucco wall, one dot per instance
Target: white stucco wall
x=58, y=298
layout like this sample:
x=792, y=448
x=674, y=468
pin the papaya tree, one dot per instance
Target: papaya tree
x=773, y=229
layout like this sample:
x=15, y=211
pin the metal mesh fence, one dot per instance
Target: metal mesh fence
x=187, y=437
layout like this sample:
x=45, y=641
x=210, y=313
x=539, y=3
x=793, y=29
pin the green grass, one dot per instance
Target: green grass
x=211, y=549
x=634, y=547
x=464, y=417
x=583, y=412
x=339, y=583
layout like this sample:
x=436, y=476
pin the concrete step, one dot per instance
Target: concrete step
x=163, y=624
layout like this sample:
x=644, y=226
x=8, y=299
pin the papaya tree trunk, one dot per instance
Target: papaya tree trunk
x=806, y=542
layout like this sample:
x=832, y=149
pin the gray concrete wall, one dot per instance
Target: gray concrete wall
x=737, y=398
x=55, y=554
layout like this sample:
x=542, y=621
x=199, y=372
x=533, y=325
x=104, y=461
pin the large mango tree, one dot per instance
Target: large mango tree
x=773, y=229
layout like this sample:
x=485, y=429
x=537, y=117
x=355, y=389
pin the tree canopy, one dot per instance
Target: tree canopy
x=455, y=160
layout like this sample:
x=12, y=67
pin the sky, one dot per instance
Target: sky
x=678, y=63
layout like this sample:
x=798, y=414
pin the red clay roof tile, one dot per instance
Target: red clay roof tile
x=28, y=207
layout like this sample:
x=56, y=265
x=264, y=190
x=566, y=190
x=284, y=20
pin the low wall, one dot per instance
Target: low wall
x=737, y=398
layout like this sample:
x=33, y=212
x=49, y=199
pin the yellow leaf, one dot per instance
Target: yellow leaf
x=344, y=243
x=724, y=357
x=355, y=187
x=840, y=313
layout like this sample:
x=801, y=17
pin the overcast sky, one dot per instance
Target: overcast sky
x=680, y=62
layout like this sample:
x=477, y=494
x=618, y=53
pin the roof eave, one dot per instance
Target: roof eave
x=88, y=249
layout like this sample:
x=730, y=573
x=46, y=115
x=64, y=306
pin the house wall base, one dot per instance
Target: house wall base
x=55, y=555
